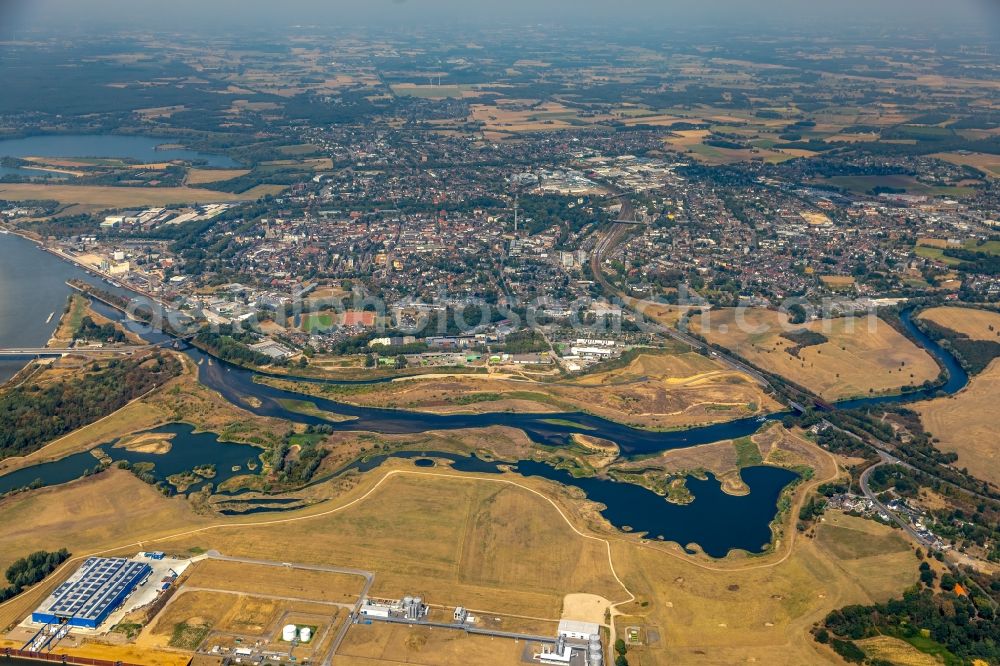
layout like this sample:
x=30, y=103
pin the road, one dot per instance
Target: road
x=886, y=459
x=58, y=351
x=367, y=575
x=468, y=629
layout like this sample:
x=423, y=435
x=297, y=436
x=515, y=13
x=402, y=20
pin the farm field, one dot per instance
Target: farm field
x=988, y=164
x=123, y=197
x=502, y=119
x=200, y=176
x=433, y=91
x=965, y=423
x=865, y=184
x=861, y=355
x=972, y=322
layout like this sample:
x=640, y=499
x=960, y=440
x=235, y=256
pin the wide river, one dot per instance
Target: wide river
x=32, y=286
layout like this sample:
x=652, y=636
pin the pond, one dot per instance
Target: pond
x=188, y=450
x=716, y=521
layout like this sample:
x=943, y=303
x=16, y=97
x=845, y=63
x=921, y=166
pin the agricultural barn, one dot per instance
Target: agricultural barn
x=98, y=587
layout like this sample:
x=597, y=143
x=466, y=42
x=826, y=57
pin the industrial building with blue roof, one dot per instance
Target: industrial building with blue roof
x=98, y=587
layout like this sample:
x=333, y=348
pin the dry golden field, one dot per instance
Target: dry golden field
x=861, y=356
x=971, y=322
x=485, y=542
x=896, y=651
x=966, y=424
x=368, y=645
x=264, y=580
x=123, y=197
x=474, y=543
x=988, y=164
x=132, y=654
x=503, y=119
x=200, y=176
x=759, y=613
x=111, y=510
x=654, y=391
x=837, y=281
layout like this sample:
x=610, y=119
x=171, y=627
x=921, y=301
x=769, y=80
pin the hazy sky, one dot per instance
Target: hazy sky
x=825, y=15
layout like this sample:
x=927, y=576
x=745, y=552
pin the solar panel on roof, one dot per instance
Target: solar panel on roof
x=94, y=590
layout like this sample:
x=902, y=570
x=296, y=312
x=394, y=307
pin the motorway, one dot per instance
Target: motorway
x=57, y=351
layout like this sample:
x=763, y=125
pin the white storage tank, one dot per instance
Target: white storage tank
x=305, y=634
x=289, y=633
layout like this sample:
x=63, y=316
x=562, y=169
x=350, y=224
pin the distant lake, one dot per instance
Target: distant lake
x=142, y=148
x=29, y=173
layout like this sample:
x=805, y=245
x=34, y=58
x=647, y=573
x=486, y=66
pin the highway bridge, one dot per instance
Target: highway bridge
x=125, y=350
x=80, y=351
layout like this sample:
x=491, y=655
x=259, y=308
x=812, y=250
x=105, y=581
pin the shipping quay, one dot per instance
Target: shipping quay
x=16, y=656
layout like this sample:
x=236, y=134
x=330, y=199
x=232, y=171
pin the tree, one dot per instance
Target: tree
x=797, y=314
x=620, y=646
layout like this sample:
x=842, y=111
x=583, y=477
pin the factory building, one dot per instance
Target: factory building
x=569, y=639
x=407, y=608
x=98, y=587
x=578, y=630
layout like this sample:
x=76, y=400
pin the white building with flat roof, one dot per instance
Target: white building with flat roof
x=578, y=630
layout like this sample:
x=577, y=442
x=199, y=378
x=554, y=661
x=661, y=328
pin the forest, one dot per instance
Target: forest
x=958, y=625
x=231, y=344
x=34, y=414
x=91, y=330
x=29, y=570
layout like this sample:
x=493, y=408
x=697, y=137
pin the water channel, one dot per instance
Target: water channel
x=717, y=522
